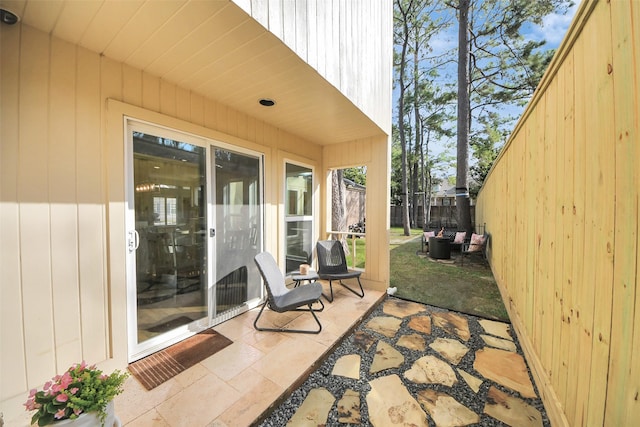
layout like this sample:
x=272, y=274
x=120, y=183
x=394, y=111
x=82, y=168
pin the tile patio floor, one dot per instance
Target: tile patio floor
x=235, y=386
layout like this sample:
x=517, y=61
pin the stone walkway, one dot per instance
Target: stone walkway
x=409, y=364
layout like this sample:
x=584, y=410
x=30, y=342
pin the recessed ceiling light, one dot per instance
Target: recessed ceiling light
x=8, y=17
x=266, y=102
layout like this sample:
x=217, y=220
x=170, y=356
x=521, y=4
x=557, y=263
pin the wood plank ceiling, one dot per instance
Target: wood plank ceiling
x=209, y=47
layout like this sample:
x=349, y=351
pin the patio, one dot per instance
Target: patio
x=235, y=386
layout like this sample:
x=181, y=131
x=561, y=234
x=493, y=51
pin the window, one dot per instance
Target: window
x=298, y=216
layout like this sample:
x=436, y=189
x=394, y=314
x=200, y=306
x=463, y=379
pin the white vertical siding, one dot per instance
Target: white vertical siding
x=348, y=42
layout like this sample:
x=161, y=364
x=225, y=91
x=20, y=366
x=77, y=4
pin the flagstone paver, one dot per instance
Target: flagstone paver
x=450, y=349
x=421, y=324
x=499, y=329
x=391, y=404
x=349, y=407
x=314, y=411
x=387, y=357
x=347, y=366
x=473, y=382
x=401, y=308
x=431, y=370
x=498, y=342
x=511, y=410
x=412, y=342
x=363, y=340
x=445, y=410
x=386, y=325
x=452, y=323
x=506, y=368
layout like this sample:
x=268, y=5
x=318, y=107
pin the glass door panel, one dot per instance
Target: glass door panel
x=169, y=202
x=237, y=199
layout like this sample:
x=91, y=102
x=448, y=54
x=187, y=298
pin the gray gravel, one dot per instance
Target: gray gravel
x=337, y=385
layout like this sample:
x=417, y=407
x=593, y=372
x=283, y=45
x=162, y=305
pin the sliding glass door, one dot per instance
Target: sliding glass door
x=195, y=224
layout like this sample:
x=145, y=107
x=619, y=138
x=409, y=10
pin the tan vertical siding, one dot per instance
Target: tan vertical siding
x=571, y=282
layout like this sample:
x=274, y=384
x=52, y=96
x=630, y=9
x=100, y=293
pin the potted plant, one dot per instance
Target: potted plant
x=80, y=392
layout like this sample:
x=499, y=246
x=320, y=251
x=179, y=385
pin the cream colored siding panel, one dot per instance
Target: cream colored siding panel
x=131, y=85
x=150, y=92
x=183, y=104
x=167, y=98
x=34, y=210
x=197, y=109
x=90, y=190
x=14, y=361
x=64, y=212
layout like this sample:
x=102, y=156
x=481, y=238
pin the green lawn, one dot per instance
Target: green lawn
x=469, y=289
x=360, y=251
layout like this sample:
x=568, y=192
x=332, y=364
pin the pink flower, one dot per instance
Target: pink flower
x=30, y=404
x=66, y=380
x=32, y=393
x=47, y=385
x=73, y=390
x=62, y=397
x=59, y=414
x=77, y=411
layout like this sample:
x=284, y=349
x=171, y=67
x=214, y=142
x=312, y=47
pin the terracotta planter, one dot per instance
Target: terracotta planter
x=90, y=419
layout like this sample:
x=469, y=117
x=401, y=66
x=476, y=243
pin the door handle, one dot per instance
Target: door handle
x=133, y=241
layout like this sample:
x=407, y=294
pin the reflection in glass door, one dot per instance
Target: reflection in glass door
x=238, y=239
x=169, y=203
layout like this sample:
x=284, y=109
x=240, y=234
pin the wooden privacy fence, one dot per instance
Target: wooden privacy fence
x=561, y=205
x=441, y=216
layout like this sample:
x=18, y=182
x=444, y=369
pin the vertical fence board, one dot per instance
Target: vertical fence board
x=626, y=220
x=548, y=232
x=603, y=188
x=567, y=165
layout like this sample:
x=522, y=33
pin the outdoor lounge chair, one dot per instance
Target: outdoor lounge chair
x=332, y=265
x=281, y=299
x=475, y=247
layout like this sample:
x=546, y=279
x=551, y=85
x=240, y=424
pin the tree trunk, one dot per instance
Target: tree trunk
x=338, y=205
x=463, y=205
